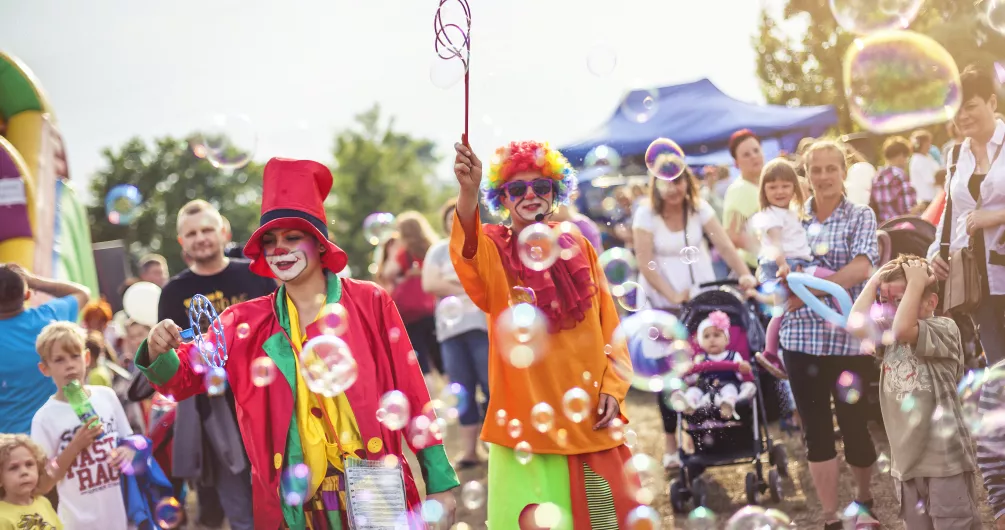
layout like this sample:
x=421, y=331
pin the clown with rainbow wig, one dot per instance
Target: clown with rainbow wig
x=540, y=452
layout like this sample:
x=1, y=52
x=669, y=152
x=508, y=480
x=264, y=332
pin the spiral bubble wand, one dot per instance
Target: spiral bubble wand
x=456, y=46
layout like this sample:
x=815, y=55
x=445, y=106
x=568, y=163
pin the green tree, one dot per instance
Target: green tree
x=806, y=69
x=168, y=175
x=378, y=169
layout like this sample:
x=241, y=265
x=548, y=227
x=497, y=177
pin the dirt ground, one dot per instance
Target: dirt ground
x=726, y=492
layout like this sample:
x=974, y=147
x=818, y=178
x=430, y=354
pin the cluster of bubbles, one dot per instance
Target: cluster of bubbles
x=378, y=226
x=621, y=270
x=227, y=142
x=895, y=79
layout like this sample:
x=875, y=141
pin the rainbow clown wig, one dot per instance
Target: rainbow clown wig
x=519, y=157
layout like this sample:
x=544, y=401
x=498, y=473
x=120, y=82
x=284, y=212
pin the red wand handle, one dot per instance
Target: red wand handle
x=454, y=42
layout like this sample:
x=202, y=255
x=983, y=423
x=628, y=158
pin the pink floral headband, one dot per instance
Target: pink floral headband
x=717, y=319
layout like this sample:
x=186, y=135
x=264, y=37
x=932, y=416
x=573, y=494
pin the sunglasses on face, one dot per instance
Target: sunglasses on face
x=517, y=189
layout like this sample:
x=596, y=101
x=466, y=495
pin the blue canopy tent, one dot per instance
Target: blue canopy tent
x=700, y=118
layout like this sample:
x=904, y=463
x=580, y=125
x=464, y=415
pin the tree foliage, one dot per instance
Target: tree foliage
x=807, y=69
x=378, y=169
x=168, y=175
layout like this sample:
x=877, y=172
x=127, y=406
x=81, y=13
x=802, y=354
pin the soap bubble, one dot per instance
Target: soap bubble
x=689, y=255
x=450, y=311
x=869, y=16
x=994, y=12
x=473, y=495
x=521, y=334
x=642, y=518
x=514, y=428
x=522, y=295
x=263, y=371
x=378, y=226
x=601, y=60
x=333, y=320
x=542, y=417
x=452, y=402
x=619, y=267
x=228, y=141
x=701, y=518
x=169, y=513
x=216, y=381
x=750, y=518
x=576, y=404
x=122, y=204
x=665, y=159
x=657, y=345
x=630, y=296
x=641, y=104
x=780, y=518
x=394, y=410
x=243, y=330
x=445, y=74
x=537, y=246
x=294, y=484
x=883, y=463
x=895, y=81
x=546, y=516
x=849, y=388
x=601, y=160
x=327, y=365
x=522, y=452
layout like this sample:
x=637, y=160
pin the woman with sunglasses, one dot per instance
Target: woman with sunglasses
x=555, y=429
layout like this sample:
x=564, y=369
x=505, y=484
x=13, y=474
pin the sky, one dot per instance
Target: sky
x=302, y=69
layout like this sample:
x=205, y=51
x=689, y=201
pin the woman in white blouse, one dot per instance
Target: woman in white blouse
x=674, y=259
x=979, y=173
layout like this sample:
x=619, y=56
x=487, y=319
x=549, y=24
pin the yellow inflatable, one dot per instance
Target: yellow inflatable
x=43, y=225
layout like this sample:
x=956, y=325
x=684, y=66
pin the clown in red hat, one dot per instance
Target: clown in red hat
x=558, y=386
x=300, y=438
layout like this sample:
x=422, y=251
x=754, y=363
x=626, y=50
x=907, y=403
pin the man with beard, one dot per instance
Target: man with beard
x=207, y=445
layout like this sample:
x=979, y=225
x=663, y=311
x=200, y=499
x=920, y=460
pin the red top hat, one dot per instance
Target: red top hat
x=293, y=196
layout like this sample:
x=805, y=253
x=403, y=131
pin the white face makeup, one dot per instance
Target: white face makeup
x=289, y=253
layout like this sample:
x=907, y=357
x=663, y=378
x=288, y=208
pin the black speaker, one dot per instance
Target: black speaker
x=112, y=262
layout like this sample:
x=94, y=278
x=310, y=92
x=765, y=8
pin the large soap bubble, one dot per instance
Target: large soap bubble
x=900, y=80
x=868, y=16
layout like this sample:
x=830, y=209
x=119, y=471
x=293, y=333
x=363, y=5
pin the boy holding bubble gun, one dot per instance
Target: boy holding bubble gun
x=932, y=455
x=556, y=384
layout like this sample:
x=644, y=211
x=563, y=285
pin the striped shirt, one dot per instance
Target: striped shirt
x=849, y=232
x=991, y=438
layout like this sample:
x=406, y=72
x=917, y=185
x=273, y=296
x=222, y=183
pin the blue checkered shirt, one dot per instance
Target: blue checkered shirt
x=849, y=232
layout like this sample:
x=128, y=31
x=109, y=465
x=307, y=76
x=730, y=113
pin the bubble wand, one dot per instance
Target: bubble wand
x=215, y=355
x=447, y=50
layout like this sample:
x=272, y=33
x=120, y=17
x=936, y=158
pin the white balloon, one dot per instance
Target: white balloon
x=858, y=183
x=140, y=302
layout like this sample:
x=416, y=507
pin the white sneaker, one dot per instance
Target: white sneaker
x=678, y=401
x=671, y=461
x=747, y=391
x=727, y=408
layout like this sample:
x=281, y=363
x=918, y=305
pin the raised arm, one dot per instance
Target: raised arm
x=56, y=288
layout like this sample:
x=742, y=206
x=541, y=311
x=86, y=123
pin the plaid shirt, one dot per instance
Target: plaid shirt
x=892, y=194
x=850, y=231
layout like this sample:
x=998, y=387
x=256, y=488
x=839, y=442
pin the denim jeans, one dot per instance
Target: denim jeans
x=466, y=360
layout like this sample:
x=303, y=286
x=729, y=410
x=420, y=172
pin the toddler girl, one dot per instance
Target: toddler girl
x=22, y=461
x=784, y=244
x=720, y=376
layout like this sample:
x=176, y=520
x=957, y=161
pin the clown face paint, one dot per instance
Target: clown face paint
x=525, y=208
x=289, y=253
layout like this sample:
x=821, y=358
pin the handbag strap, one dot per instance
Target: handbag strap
x=947, y=215
x=690, y=262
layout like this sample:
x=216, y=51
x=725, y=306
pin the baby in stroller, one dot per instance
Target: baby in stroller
x=718, y=376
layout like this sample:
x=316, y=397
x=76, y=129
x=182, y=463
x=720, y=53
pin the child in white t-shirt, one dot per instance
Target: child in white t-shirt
x=785, y=246
x=88, y=457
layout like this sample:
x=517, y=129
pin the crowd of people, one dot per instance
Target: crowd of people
x=276, y=448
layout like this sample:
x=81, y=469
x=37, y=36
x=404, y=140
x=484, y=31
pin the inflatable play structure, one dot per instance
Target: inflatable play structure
x=43, y=225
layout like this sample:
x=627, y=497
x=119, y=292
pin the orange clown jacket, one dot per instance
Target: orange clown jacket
x=581, y=357
x=265, y=415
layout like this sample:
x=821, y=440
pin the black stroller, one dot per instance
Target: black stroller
x=726, y=443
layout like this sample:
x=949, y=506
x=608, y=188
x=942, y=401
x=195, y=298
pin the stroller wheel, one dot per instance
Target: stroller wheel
x=780, y=459
x=699, y=492
x=678, y=497
x=775, y=486
x=751, y=488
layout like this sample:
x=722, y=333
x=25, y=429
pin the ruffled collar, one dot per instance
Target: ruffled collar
x=564, y=292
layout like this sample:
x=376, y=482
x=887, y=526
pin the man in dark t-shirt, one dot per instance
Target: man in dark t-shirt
x=207, y=445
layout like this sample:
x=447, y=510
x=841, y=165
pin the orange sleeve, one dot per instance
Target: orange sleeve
x=615, y=381
x=475, y=260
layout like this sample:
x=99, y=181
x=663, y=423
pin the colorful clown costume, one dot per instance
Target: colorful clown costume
x=287, y=428
x=571, y=466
